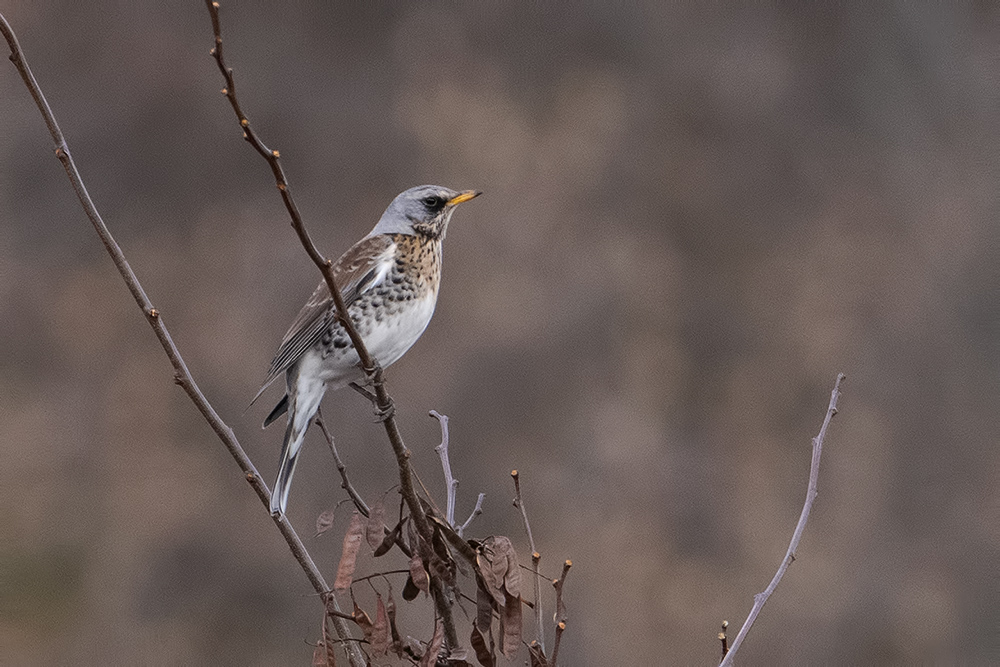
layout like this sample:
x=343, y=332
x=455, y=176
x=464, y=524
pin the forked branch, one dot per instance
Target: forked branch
x=182, y=375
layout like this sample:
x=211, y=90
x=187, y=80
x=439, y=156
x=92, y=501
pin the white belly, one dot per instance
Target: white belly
x=387, y=340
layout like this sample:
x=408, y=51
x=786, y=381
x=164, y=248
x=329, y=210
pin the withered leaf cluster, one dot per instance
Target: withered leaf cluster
x=491, y=562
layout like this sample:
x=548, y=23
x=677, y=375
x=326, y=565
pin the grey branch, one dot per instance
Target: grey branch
x=359, y=502
x=475, y=512
x=560, y=615
x=761, y=598
x=535, y=560
x=182, y=375
x=449, y=479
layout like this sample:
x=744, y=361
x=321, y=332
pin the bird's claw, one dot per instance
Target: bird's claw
x=384, y=414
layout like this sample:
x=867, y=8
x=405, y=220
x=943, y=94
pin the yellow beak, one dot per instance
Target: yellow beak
x=463, y=197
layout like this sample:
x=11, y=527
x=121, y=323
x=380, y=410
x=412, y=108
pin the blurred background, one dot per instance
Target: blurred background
x=694, y=219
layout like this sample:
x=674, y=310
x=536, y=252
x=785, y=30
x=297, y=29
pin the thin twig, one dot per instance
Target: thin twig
x=475, y=512
x=182, y=376
x=449, y=479
x=724, y=639
x=761, y=598
x=356, y=498
x=341, y=468
x=535, y=559
x=560, y=615
x=369, y=364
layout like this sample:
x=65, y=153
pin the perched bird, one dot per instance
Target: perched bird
x=389, y=281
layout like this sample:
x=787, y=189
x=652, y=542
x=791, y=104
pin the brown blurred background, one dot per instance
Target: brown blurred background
x=694, y=218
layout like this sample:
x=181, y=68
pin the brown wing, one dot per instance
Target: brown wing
x=358, y=270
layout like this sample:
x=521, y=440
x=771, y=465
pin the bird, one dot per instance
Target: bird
x=389, y=281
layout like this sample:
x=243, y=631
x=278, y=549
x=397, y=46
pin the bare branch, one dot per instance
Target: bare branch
x=475, y=512
x=182, y=376
x=368, y=363
x=724, y=639
x=560, y=615
x=761, y=598
x=449, y=480
x=341, y=468
x=535, y=560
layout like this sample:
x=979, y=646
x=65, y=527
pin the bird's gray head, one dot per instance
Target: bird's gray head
x=422, y=211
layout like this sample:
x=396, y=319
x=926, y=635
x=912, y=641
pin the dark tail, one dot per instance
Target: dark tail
x=280, y=409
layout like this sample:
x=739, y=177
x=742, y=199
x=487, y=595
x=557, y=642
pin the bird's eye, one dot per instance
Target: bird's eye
x=432, y=202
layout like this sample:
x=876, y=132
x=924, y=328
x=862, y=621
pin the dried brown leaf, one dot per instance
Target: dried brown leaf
x=376, y=524
x=418, y=574
x=484, y=653
x=390, y=610
x=512, y=581
x=364, y=622
x=349, y=553
x=380, y=628
x=497, y=563
x=434, y=649
x=324, y=522
x=484, y=609
x=323, y=654
x=389, y=540
x=511, y=622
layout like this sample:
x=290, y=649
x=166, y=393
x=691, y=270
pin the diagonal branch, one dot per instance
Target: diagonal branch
x=341, y=468
x=449, y=478
x=761, y=598
x=368, y=363
x=182, y=376
x=535, y=559
x=560, y=615
x=476, y=511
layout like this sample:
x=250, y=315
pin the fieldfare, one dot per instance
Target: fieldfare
x=389, y=281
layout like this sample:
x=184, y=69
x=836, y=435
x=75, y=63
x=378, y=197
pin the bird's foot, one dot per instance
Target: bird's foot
x=383, y=414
